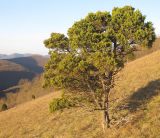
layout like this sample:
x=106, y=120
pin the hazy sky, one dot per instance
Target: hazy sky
x=24, y=24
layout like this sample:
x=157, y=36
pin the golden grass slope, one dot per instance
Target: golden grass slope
x=135, y=112
x=34, y=120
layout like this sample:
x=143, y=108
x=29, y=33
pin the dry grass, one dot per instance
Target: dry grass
x=27, y=120
x=33, y=119
x=138, y=74
x=135, y=114
x=137, y=86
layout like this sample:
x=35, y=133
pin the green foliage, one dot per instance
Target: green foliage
x=95, y=48
x=94, y=51
x=71, y=99
x=129, y=26
x=60, y=103
x=57, y=42
x=4, y=107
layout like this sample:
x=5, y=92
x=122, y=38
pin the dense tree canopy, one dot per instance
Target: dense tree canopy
x=94, y=50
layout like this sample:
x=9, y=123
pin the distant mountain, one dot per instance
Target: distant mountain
x=15, y=69
x=2, y=56
x=33, y=63
x=15, y=55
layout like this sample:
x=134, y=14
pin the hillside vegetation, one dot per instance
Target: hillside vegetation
x=135, y=110
x=20, y=79
x=23, y=92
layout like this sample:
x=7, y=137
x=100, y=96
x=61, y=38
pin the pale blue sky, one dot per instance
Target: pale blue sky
x=24, y=24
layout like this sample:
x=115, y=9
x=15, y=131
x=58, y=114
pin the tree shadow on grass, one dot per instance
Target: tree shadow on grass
x=143, y=95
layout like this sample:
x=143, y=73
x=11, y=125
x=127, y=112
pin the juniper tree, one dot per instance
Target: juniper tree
x=95, y=50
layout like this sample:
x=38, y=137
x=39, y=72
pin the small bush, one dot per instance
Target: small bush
x=70, y=99
x=33, y=97
x=4, y=107
x=60, y=103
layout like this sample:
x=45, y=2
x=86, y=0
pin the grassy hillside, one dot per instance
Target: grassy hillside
x=23, y=92
x=135, y=103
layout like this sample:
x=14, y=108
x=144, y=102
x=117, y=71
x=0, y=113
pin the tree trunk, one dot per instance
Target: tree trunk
x=106, y=110
x=106, y=102
x=115, y=49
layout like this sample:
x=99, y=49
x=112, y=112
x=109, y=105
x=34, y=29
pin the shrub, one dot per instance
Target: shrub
x=70, y=99
x=33, y=97
x=4, y=107
x=60, y=103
